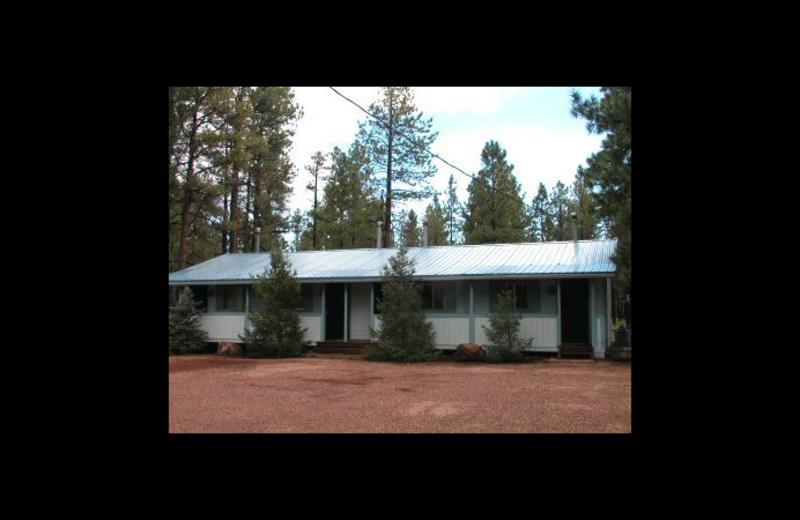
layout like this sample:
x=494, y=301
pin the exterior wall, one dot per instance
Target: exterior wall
x=223, y=327
x=314, y=327
x=541, y=328
x=450, y=331
x=360, y=309
x=227, y=327
x=451, y=328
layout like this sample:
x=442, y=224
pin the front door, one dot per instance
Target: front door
x=575, y=311
x=334, y=311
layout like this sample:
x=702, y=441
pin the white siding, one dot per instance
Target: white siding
x=359, y=310
x=600, y=331
x=314, y=326
x=223, y=327
x=541, y=329
x=599, y=296
x=450, y=331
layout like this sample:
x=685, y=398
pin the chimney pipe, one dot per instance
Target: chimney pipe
x=424, y=233
x=380, y=230
x=258, y=239
x=574, y=226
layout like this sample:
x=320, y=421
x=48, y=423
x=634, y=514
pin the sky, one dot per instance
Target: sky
x=543, y=141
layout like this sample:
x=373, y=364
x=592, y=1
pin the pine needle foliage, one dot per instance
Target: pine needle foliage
x=185, y=334
x=405, y=334
x=277, y=330
x=505, y=344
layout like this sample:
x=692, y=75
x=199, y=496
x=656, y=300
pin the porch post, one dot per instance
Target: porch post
x=371, y=305
x=608, y=312
x=558, y=312
x=346, y=308
x=471, y=313
x=246, y=306
x=592, y=331
x=323, y=323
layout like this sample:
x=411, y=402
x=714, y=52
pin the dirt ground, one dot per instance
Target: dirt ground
x=323, y=395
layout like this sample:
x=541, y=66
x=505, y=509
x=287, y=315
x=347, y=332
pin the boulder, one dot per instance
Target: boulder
x=469, y=351
x=226, y=348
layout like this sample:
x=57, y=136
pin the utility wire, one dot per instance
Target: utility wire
x=474, y=178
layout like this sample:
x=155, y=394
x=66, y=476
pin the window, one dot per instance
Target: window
x=433, y=296
x=199, y=292
x=526, y=294
x=439, y=297
x=230, y=298
x=255, y=302
x=309, y=296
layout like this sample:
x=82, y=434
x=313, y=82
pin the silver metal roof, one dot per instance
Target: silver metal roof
x=525, y=260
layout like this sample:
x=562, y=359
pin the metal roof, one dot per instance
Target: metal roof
x=523, y=260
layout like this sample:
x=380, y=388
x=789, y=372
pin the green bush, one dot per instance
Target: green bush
x=505, y=345
x=405, y=334
x=277, y=330
x=185, y=334
x=620, y=333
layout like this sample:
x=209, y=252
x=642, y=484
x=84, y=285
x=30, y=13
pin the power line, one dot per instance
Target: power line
x=385, y=125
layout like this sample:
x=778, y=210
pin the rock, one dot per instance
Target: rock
x=226, y=348
x=469, y=351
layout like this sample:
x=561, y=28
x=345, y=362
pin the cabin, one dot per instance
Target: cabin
x=562, y=292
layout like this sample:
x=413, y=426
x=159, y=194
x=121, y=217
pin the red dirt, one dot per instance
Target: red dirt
x=303, y=395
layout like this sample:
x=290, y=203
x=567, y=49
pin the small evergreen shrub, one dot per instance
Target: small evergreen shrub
x=185, y=334
x=277, y=330
x=505, y=345
x=405, y=334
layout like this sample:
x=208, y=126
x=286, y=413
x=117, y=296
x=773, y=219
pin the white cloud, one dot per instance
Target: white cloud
x=476, y=100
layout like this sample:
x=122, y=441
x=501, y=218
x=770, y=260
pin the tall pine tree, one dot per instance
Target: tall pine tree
x=346, y=218
x=411, y=234
x=453, y=211
x=434, y=216
x=396, y=140
x=609, y=170
x=495, y=211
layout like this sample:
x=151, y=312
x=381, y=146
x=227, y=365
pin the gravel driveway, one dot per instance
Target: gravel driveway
x=305, y=395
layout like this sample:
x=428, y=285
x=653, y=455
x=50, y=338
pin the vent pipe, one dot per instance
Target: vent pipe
x=380, y=232
x=574, y=226
x=424, y=233
x=258, y=239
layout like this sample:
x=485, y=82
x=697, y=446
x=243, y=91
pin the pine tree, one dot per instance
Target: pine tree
x=185, y=333
x=609, y=170
x=404, y=334
x=543, y=229
x=411, y=235
x=582, y=204
x=434, y=216
x=495, y=212
x=396, y=142
x=347, y=215
x=277, y=330
x=560, y=206
x=505, y=345
x=317, y=162
x=453, y=210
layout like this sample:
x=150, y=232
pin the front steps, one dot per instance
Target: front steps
x=575, y=349
x=354, y=347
